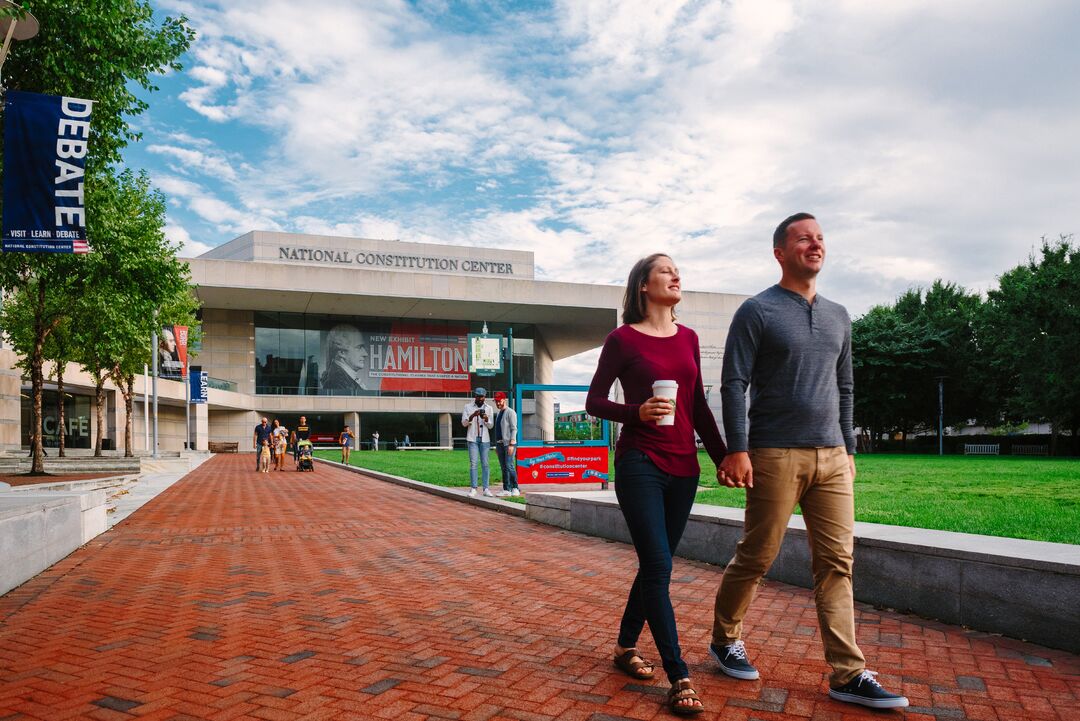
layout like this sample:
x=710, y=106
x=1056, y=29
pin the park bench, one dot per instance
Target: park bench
x=982, y=449
x=1035, y=450
x=223, y=446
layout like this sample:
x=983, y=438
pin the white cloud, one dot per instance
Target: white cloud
x=178, y=235
x=197, y=160
x=932, y=139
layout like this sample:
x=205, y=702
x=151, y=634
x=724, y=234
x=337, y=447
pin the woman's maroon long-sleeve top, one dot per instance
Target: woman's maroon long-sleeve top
x=637, y=360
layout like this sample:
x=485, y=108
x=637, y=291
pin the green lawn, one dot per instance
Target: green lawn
x=1038, y=499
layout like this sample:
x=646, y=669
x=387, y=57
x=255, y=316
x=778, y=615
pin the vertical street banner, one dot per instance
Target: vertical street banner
x=200, y=386
x=45, y=142
x=172, y=352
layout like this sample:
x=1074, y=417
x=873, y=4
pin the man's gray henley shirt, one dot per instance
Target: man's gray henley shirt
x=795, y=356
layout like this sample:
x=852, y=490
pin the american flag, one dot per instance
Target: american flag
x=80, y=246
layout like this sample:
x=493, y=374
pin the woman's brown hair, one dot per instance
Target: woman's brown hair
x=633, y=306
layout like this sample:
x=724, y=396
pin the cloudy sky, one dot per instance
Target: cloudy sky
x=932, y=139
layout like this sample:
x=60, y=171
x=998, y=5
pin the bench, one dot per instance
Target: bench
x=223, y=446
x=982, y=449
x=424, y=447
x=1030, y=450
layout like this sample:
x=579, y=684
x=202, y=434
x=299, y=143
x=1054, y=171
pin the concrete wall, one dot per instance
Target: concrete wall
x=35, y=533
x=232, y=426
x=1023, y=589
x=228, y=347
x=10, y=408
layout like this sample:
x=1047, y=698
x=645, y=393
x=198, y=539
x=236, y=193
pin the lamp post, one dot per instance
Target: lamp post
x=941, y=414
x=12, y=27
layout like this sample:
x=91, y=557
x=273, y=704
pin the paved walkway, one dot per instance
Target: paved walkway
x=333, y=596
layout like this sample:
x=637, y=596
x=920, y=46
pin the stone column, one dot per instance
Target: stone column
x=10, y=403
x=446, y=430
x=352, y=418
x=200, y=426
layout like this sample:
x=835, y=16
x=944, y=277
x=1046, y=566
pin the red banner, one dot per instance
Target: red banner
x=418, y=357
x=172, y=352
x=562, y=464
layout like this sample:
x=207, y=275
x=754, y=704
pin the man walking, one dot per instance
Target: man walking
x=792, y=347
x=506, y=444
x=302, y=433
x=263, y=432
x=478, y=417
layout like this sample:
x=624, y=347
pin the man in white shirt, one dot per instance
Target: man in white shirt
x=478, y=417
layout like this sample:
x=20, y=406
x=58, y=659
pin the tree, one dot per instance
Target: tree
x=138, y=283
x=98, y=51
x=888, y=354
x=899, y=351
x=1031, y=325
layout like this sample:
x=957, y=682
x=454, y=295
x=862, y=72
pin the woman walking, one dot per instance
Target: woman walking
x=281, y=445
x=345, y=440
x=656, y=467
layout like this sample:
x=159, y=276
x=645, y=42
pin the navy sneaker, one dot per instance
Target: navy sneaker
x=732, y=660
x=866, y=691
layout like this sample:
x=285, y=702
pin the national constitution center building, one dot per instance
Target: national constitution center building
x=369, y=333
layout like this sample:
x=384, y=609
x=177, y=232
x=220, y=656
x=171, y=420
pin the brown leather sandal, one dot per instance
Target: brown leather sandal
x=640, y=668
x=682, y=691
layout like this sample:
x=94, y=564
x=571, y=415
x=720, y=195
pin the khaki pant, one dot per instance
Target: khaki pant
x=819, y=480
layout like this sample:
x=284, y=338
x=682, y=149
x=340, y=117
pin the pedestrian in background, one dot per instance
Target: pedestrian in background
x=345, y=440
x=478, y=417
x=506, y=444
x=261, y=437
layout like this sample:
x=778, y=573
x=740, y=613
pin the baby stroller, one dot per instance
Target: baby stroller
x=303, y=456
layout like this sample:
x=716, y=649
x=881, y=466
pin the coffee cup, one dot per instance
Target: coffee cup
x=668, y=390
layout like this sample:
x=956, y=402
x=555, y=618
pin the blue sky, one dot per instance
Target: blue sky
x=932, y=139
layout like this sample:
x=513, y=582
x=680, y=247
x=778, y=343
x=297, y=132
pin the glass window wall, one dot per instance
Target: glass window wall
x=302, y=354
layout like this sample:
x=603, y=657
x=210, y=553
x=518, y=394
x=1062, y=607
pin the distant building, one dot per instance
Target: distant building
x=369, y=333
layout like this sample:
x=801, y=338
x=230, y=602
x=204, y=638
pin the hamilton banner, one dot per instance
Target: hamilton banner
x=406, y=356
x=45, y=142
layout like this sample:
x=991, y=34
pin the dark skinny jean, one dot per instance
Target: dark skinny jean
x=656, y=506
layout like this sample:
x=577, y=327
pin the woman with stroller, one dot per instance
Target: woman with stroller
x=656, y=466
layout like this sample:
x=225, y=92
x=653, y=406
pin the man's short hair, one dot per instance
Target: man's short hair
x=780, y=234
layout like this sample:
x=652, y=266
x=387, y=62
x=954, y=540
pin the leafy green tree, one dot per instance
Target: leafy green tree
x=899, y=352
x=101, y=51
x=138, y=283
x=1031, y=328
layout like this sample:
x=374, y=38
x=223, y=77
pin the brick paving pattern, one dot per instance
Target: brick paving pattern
x=235, y=595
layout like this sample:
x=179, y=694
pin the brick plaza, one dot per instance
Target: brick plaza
x=236, y=595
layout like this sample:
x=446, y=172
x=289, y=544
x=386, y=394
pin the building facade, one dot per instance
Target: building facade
x=369, y=333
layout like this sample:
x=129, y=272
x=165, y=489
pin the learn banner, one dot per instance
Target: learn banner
x=45, y=143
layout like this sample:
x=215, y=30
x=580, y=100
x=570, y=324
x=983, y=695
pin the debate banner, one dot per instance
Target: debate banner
x=45, y=143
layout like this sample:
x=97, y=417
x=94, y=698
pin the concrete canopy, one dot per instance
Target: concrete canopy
x=572, y=317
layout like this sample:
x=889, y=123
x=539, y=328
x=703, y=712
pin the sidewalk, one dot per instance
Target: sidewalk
x=333, y=596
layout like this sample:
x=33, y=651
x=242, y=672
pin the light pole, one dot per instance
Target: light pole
x=15, y=27
x=941, y=415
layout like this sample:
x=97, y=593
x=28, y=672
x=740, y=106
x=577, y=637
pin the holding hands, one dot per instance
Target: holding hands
x=735, y=470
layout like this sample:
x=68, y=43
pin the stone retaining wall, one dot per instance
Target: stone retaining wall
x=1022, y=589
